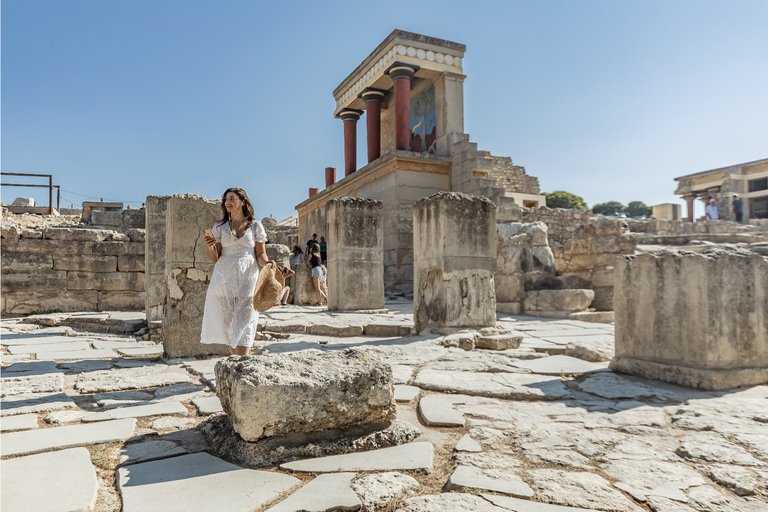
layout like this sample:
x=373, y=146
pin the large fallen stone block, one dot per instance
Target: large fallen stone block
x=279, y=394
x=700, y=320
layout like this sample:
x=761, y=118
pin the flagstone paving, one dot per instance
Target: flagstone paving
x=508, y=430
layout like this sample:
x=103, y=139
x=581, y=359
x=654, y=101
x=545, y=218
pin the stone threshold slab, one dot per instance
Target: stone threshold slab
x=81, y=355
x=58, y=438
x=64, y=480
x=20, y=422
x=48, y=347
x=137, y=411
x=198, y=481
x=414, y=456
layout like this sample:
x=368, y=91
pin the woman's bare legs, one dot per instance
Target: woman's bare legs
x=240, y=351
x=320, y=295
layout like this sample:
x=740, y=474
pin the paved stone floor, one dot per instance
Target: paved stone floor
x=98, y=421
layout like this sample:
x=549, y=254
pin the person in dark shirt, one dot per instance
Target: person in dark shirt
x=312, y=241
x=317, y=273
x=738, y=207
x=323, y=250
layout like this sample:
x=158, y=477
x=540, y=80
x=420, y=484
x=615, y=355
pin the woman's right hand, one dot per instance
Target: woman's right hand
x=210, y=241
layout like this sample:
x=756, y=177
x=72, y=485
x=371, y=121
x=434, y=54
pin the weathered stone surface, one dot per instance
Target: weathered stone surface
x=578, y=489
x=741, y=481
x=379, y=490
x=323, y=493
x=449, y=501
x=25, y=302
x=49, y=347
x=495, y=480
x=388, y=328
x=20, y=384
x=462, y=340
x=500, y=385
x=183, y=483
x=590, y=351
x=406, y=393
x=149, y=450
x=78, y=234
x=557, y=365
x=130, y=378
x=453, y=275
x=138, y=411
x=271, y=451
x=355, y=258
x=131, y=263
x=713, y=448
x=499, y=342
x=20, y=422
x=38, y=281
x=35, y=402
x=208, y=405
x=438, y=411
x=68, y=482
x=414, y=456
x=86, y=263
x=276, y=395
x=40, y=440
x=718, y=340
x=59, y=417
x=26, y=262
x=467, y=444
x=172, y=423
x=558, y=300
x=110, y=281
x=654, y=478
x=518, y=505
x=612, y=386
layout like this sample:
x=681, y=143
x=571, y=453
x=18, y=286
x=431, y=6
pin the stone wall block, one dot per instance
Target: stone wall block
x=131, y=263
x=276, y=395
x=455, y=257
x=558, y=300
x=154, y=257
x=86, y=263
x=38, y=281
x=118, y=248
x=697, y=319
x=112, y=281
x=23, y=303
x=26, y=262
x=77, y=234
x=133, y=218
x=121, y=301
x=509, y=288
x=47, y=246
x=106, y=218
x=280, y=253
x=355, y=253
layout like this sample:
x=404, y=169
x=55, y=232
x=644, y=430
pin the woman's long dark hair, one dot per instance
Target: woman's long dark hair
x=247, y=206
x=297, y=250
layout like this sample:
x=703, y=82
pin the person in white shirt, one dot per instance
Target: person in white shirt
x=712, y=211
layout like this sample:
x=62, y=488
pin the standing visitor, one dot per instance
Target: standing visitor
x=323, y=250
x=236, y=245
x=317, y=273
x=712, y=210
x=738, y=207
x=297, y=257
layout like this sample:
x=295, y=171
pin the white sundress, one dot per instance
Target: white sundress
x=229, y=317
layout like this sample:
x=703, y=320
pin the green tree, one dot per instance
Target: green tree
x=611, y=208
x=638, y=210
x=563, y=199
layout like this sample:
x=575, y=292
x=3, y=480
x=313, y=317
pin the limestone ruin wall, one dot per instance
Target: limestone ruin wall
x=71, y=268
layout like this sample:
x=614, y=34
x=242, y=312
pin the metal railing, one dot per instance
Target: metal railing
x=50, y=186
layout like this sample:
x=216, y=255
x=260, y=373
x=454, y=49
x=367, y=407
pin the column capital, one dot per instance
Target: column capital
x=371, y=94
x=401, y=70
x=349, y=114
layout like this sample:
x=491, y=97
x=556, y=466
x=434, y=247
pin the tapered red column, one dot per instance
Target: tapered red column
x=373, y=99
x=689, y=200
x=350, y=117
x=401, y=75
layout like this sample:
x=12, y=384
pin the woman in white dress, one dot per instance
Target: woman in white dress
x=236, y=248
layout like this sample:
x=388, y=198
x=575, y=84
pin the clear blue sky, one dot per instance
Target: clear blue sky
x=606, y=99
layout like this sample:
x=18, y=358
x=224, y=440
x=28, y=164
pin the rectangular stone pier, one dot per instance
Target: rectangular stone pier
x=355, y=254
x=454, y=246
x=187, y=273
x=695, y=319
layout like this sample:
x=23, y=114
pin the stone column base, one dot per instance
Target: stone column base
x=691, y=377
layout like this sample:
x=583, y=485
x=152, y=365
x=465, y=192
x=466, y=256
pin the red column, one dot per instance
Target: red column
x=689, y=200
x=330, y=176
x=402, y=75
x=373, y=99
x=313, y=191
x=350, y=117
